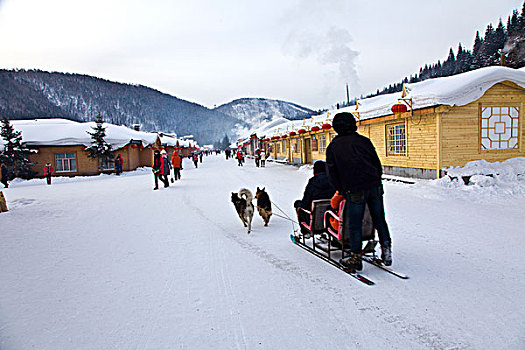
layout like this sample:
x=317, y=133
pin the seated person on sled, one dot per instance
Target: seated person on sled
x=318, y=187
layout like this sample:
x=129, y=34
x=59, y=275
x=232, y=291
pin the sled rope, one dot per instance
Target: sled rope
x=286, y=216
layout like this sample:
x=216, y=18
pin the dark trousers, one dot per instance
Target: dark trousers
x=164, y=179
x=48, y=178
x=156, y=176
x=355, y=211
x=176, y=173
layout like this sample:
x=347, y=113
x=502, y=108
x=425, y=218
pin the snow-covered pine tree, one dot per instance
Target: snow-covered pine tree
x=15, y=154
x=99, y=149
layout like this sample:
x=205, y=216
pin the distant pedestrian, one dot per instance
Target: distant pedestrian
x=4, y=177
x=48, y=172
x=240, y=158
x=166, y=165
x=118, y=164
x=176, y=162
x=196, y=160
x=257, y=157
x=157, y=167
x=200, y=157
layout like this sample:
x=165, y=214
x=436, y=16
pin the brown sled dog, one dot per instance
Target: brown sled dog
x=264, y=205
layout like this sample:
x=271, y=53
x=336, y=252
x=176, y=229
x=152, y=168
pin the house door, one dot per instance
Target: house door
x=307, y=151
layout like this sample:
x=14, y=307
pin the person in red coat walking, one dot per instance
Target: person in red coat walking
x=48, y=172
x=176, y=162
x=157, y=168
x=118, y=164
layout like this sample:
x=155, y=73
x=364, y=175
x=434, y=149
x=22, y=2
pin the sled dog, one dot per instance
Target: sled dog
x=264, y=205
x=244, y=207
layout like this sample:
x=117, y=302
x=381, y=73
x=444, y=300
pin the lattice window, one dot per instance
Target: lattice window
x=315, y=143
x=499, y=128
x=322, y=143
x=284, y=146
x=396, y=139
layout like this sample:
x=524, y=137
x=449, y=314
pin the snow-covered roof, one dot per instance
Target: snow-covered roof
x=62, y=132
x=456, y=90
x=461, y=89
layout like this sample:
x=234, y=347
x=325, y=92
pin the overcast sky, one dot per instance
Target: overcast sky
x=212, y=52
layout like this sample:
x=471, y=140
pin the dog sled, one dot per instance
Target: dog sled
x=323, y=241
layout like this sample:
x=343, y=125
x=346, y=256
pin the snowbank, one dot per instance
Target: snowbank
x=481, y=181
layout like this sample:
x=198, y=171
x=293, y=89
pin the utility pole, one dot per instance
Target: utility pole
x=347, y=96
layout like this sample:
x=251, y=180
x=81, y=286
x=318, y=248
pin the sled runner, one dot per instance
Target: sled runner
x=331, y=245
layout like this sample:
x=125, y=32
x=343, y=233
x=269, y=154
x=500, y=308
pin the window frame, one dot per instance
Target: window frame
x=322, y=144
x=401, y=143
x=69, y=159
x=484, y=128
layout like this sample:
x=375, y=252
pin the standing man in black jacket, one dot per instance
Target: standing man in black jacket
x=355, y=171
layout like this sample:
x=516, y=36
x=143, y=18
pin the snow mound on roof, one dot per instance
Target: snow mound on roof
x=461, y=89
x=62, y=132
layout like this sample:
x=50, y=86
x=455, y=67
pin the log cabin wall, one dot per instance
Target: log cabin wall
x=461, y=134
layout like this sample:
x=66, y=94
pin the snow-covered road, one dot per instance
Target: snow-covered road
x=107, y=263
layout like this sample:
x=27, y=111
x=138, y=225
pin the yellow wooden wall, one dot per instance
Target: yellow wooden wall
x=460, y=127
x=437, y=137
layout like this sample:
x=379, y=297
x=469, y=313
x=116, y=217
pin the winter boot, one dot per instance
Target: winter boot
x=386, y=255
x=354, y=261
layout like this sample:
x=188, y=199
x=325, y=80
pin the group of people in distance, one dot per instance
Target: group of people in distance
x=352, y=172
x=162, y=166
x=4, y=174
x=259, y=156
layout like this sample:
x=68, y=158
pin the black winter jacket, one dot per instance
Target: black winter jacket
x=352, y=163
x=318, y=187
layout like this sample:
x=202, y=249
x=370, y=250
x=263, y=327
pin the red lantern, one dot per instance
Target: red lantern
x=134, y=146
x=326, y=126
x=399, y=108
x=315, y=128
x=275, y=137
x=265, y=140
x=284, y=136
x=301, y=131
x=293, y=133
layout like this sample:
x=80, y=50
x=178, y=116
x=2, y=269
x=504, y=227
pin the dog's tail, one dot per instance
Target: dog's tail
x=247, y=193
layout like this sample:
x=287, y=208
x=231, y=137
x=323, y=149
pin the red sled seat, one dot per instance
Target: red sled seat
x=342, y=234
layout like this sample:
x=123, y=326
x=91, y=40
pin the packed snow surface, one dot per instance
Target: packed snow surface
x=107, y=263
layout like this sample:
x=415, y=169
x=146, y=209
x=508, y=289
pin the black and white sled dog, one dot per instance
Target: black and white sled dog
x=244, y=207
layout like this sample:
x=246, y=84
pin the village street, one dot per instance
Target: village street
x=107, y=263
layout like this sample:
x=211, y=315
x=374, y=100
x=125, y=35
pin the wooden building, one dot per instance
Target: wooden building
x=63, y=142
x=437, y=124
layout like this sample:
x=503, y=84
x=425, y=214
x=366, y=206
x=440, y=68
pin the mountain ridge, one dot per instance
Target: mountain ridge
x=29, y=94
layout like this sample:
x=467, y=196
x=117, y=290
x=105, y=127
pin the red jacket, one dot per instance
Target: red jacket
x=48, y=170
x=176, y=160
x=158, y=164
